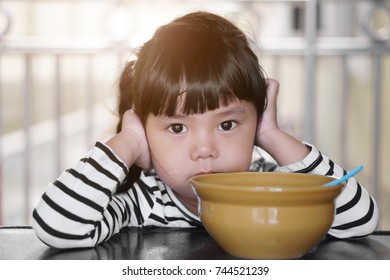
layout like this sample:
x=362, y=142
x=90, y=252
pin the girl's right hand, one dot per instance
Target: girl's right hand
x=131, y=144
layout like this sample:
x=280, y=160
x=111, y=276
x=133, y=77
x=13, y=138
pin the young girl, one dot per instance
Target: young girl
x=195, y=101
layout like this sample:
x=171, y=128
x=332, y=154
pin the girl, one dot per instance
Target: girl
x=195, y=101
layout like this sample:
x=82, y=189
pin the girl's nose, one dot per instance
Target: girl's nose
x=204, y=147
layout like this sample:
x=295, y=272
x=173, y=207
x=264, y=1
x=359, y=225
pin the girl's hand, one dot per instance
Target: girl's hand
x=269, y=122
x=284, y=148
x=131, y=144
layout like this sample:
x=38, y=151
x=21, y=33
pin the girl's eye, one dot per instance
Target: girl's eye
x=227, y=126
x=177, y=128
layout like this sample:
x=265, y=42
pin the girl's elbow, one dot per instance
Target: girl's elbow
x=55, y=241
x=359, y=228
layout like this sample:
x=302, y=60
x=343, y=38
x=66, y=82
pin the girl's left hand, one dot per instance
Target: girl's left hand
x=284, y=148
x=269, y=122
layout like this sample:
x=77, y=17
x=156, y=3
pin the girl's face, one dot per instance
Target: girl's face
x=216, y=141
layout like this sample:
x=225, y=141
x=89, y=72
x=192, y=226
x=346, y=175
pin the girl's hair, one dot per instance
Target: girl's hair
x=196, y=63
x=200, y=56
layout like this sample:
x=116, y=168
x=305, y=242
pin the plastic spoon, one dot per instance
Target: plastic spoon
x=345, y=177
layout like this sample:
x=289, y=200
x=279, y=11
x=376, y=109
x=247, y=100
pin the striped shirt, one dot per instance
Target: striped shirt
x=82, y=209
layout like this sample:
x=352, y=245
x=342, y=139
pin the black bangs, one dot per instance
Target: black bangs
x=194, y=72
x=204, y=84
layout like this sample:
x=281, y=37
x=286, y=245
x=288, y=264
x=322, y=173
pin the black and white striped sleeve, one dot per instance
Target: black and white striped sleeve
x=79, y=208
x=356, y=213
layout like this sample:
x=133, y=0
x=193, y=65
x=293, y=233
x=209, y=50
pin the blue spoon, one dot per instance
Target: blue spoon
x=345, y=177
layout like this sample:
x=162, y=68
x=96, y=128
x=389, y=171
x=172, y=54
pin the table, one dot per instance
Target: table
x=152, y=243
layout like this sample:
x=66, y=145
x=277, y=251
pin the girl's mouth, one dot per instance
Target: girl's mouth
x=205, y=172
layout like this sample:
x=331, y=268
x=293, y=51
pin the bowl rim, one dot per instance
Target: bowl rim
x=298, y=188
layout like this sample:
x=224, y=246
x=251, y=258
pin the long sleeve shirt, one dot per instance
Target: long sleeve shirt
x=82, y=209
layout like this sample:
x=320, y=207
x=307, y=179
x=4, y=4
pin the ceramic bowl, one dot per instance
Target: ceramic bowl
x=266, y=215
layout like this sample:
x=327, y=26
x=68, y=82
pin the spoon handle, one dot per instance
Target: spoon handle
x=345, y=177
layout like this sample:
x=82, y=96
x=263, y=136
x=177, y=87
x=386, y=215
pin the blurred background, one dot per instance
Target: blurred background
x=60, y=62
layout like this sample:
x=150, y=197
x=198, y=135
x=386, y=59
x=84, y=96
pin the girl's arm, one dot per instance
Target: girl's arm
x=356, y=211
x=80, y=208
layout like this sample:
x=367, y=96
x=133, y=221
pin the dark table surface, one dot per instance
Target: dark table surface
x=18, y=243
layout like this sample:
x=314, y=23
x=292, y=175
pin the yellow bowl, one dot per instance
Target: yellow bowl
x=266, y=215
